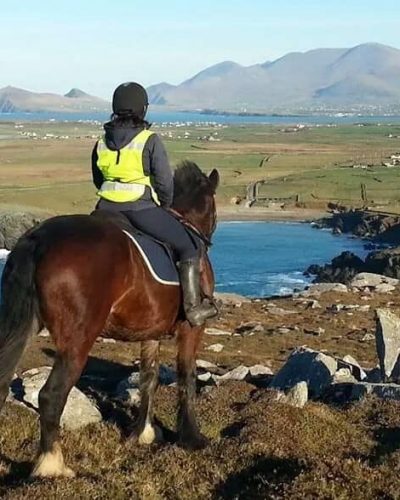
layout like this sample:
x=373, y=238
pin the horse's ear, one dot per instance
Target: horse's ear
x=214, y=179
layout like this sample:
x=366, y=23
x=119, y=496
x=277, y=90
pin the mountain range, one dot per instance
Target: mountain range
x=13, y=99
x=367, y=75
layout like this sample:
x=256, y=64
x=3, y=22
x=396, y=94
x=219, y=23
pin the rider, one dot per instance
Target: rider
x=132, y=174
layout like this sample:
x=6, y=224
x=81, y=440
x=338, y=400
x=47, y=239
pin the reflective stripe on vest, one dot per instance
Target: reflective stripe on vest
x=123, y=170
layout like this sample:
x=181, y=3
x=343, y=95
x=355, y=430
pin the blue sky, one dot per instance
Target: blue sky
x=94, y=45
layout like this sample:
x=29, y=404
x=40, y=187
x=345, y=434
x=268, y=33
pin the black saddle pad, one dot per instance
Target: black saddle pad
x=157, y=256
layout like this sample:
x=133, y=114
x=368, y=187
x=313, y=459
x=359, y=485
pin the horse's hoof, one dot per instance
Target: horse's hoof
x=194, y=442
x=51, y=465
x=149, y=435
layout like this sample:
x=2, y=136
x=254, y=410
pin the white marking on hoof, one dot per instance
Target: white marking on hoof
x=150, y=434
x=51, y=464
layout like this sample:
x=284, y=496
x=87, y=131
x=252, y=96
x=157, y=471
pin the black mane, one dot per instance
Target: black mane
x=191, y=186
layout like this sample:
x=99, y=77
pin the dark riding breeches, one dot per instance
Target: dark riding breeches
x=163, y=226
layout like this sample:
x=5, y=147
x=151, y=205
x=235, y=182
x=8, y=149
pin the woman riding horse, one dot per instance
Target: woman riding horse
x=81, y=277
x=131, y=171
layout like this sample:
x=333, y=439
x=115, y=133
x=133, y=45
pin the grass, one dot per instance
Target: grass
x=310, y=162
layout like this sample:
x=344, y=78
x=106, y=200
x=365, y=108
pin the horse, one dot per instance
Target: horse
x=80, y=277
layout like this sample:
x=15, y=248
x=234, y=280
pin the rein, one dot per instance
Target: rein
x=205, y=239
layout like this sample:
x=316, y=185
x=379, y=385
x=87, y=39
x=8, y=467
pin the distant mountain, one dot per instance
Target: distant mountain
x=366, y=75
x=13, y=99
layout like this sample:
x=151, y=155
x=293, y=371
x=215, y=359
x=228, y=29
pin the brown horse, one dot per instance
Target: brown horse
x=80, y=277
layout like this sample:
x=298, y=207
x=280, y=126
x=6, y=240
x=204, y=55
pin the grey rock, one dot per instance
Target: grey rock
x=319, y=288
x=313, y=304
x=343, y=375
x=372, y=280
x=238, y=373
x=317, y=332
x=279, y=311
x=306, y=365
x=354, y=367
x=205, y=377
x=215, y=348
x=283, y=330
x=387, y=341
x=249, y=327
x=385, y=288
x=260, y=371
x=231, y=299
x=79, y=410
x=297, y=396
x=206, y=365
x=217, y=332
x=109, y=341
x=381, y=391
x=14, y=224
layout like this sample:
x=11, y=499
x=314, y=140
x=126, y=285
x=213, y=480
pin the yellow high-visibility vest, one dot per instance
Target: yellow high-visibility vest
x=123, y=170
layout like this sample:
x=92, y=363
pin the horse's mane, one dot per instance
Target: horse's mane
x=190, y=186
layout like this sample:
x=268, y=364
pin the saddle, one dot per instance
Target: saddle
x=157, y=256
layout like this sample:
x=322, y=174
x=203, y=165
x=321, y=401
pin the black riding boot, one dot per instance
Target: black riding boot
x=196, y=309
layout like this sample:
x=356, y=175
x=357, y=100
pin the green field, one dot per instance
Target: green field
x=51, y=170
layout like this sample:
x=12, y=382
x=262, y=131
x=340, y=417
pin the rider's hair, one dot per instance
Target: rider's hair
x=129, y=120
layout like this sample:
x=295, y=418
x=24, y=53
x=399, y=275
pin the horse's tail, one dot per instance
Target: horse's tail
x=19, y=312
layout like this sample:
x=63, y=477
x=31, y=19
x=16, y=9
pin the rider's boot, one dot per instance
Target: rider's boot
x=197, y=311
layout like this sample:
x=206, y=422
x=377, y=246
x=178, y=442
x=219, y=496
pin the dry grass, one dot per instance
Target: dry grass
x=259, y=448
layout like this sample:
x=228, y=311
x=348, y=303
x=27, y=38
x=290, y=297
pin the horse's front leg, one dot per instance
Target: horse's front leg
x=145, y=431
x=189, y=435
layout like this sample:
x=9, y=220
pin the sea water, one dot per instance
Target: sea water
x=260, y=259
x=196, y=117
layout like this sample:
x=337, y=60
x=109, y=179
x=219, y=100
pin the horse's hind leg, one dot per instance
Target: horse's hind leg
x=52, y=398
x=146, y=431
x=189, y=435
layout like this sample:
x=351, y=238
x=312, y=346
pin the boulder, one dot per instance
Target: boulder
x=305, y=365
x=372, y=280
x=388, y=342
x=206, y=365
x=79, y=410
x=297, y=396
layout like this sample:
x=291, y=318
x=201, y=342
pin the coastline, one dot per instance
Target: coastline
x=235, y=213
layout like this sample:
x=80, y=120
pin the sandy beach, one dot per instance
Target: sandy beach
x=238, y=213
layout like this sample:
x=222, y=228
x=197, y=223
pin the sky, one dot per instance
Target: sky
x=54, y=45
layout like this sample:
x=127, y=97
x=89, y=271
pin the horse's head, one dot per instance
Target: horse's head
x=194, y=196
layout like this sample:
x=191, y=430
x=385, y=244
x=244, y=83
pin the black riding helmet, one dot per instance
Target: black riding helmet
x=130, y=98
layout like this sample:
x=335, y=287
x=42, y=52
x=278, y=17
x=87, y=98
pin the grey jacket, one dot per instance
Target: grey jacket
x=155, y=163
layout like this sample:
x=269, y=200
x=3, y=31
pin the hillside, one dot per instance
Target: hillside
x=367, y=75
x=13, y=99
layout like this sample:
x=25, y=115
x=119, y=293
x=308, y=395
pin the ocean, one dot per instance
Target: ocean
x=260, y=259
x=193, y=117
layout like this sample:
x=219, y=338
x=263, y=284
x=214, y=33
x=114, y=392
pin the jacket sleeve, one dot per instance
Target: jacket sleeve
x=97, y=176
x=160, y=170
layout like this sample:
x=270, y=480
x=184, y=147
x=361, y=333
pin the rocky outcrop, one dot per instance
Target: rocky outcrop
x=14, y=224
x=363, y=224
x=346, y=266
